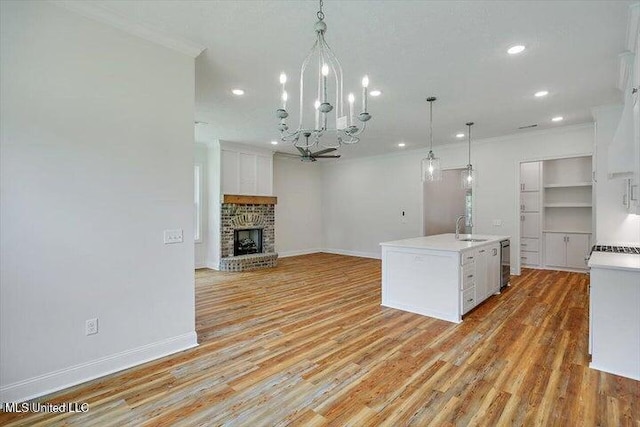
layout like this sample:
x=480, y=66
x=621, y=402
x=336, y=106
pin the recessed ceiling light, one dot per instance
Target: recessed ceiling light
x=237, y=92
x=541, y=93
x=375, y=93
x=557, y=119
x=274, y=142
x=460, y=135
x=514, y=50
x=402, y=144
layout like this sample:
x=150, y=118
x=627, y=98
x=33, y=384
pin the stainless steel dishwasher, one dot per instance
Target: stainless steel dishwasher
x=505, y=263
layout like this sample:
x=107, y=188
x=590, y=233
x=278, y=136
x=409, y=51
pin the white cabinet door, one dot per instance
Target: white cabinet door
x=530, y=202
x=481, y=273
x=577, y=250
x=530, y=176
x=493, y=270
x=529, y=224
x=555, y=249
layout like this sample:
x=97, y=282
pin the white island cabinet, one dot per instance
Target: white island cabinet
x=439, y=276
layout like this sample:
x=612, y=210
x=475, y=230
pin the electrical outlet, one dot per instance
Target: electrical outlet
x=172, y=236
x=91, y=326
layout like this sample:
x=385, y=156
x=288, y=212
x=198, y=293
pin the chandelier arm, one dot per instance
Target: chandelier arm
x=359, y=131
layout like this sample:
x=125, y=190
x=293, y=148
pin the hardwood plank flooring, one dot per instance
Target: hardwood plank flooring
x=307, y=343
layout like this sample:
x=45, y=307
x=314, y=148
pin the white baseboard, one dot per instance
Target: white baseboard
x=286, y=254
x=353, y=253
x=68, y=377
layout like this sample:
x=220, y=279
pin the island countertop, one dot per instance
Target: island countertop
x=445, y=242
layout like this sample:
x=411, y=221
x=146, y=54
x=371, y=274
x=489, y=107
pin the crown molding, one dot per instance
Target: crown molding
x=101, y=14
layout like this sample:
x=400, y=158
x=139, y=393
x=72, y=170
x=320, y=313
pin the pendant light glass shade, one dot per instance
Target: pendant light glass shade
x=431, y=170
x=467, y=176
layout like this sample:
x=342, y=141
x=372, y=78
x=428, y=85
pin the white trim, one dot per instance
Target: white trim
x=198, y=170
x=102, y=14
x=353, y=253
x=68, y=377
x=212, y=266
x=287, y=254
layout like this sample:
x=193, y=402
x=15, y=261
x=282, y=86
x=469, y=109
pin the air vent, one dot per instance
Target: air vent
x=528, y=127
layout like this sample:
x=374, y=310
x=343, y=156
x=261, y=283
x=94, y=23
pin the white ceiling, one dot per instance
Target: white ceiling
x=455, y=50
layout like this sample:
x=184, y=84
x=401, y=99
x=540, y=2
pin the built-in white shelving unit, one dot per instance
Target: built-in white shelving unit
x=556, y=203
x=567, y=218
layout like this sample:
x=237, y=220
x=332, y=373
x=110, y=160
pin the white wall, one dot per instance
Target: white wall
x=363, y=199
x=613, y=223
x=298, y=187
x=202, y=158
x=96, y=161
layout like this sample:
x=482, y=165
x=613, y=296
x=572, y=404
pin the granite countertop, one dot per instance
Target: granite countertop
x=445, y=242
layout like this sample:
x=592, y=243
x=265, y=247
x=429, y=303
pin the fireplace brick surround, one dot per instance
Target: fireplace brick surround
x=245, y=212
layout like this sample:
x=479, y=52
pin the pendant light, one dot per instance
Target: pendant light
x=431, y=170
x=467, y=174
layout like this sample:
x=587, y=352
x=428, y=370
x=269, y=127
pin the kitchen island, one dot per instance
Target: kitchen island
x=614, y=313
x=440, y=276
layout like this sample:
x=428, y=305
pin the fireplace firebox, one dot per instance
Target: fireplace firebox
x=247, y=241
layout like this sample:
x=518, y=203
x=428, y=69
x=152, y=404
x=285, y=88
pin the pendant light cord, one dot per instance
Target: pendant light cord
x=469, y=162
x=430, y=101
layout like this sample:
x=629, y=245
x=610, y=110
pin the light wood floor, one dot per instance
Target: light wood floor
x=307, y=343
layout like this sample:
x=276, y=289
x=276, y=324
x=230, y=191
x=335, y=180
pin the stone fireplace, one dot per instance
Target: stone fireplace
x=247, y=233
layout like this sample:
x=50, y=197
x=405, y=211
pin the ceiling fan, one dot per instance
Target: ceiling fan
x=307, y=156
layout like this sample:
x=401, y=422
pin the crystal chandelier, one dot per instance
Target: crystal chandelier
x=467, y=174
x=317, y=104
x=431, y=171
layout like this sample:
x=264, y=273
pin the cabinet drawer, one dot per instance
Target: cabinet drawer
x=467, y=257
x=468, y=299
x=529, y=258
x=468, y=275
x=529, y=245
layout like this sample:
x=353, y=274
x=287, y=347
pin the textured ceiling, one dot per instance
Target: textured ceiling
x=410, y=50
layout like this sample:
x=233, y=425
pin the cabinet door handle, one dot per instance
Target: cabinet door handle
x=470, y=276
x=470, y=300
x=523, y=244
x=482, y=251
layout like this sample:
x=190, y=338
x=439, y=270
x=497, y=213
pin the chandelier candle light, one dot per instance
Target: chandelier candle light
x=329, y=76
x=431, y=171
x=468, y=173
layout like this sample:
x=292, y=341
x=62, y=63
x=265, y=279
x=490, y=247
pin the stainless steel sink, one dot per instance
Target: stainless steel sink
x=473, y=240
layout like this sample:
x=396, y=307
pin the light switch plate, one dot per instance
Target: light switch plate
x=172, y=236
x=497, y=222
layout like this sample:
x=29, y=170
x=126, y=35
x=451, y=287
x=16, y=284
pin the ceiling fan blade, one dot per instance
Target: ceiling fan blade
x=327, y=157
x=328, y=150
x=302, y=151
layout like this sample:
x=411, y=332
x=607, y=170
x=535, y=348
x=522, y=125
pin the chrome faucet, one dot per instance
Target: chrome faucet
x=458, y=226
